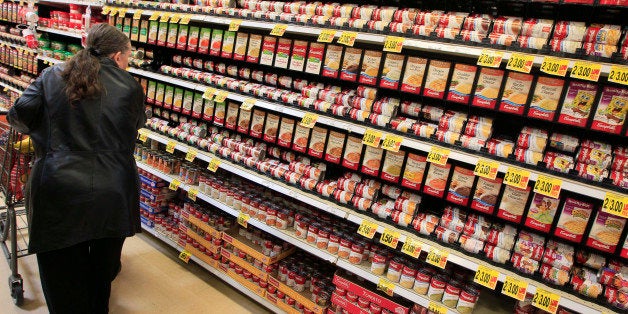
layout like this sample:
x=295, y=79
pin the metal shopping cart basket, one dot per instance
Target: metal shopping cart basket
x=16, y=153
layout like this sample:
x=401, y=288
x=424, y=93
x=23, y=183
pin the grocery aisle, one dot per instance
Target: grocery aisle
x=152, y=280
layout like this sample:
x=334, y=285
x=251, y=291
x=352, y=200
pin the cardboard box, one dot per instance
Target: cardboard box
x=203, y=226
x=244, y=264
x=203, y=257
x=374, y=297
x=153, y=183
x=248, y=284
x=232, y=237
x=304, y=297
x=346, y=305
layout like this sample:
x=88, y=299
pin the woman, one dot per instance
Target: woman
x=83, y=118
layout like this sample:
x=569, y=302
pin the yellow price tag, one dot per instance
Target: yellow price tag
x=243, y=220
x=386, y=286
x=367, y=229
x=490, y=58
x=438, y=155
x=554, y=66
x=154, y=16
x=309, y=120
x=165, y=17
x=437, y=257
x=234, y=26
x=209, y=93
x=520, y=62
x=185, y=19
x=279, y=29
x=586, y=71
x=143, y=136
x=185, y=256
x=515, y=288
x=326, y=36
x=517, y=177
x=412, y=247
x=545, y=300
x=372, y=137
x=615, y=204
x=486, y=277
x=221, y=96
x=122, y=12
x=192, y=193
x=618, y=74
x=248, y=104
x=6, y=89
x=347, y=38
x=175, y=18
x=549, y=186
x=436, y=308
x=137, y=15
x=486, y=169
x=105, y=10
x=191, y=154
x=214, y=164
x=393, y=44
x=174, y=184
x=392, y=142
x=390, y=238
x=113, y=11
x=170, y=146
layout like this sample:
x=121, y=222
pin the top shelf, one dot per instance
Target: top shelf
x=96, y=3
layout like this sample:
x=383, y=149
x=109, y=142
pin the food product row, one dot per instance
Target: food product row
x=403, y=207
x=572, y=37
x=9, y=11
x=7, y=99
x=8, y=77
x=330, y=234
x=559, y=152
x=19, y=59
x=71, y=20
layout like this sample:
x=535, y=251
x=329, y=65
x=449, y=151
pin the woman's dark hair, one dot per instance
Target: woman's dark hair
x=81, y=71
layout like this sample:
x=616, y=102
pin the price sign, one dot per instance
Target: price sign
x=486, y=169
x=618, y=74
x=279, y=29
x=192, y=193
x=438, y=155
x=367, y=229
x=586, y=71
x=243, y=220
x=549, y=186
x=165, y=17
x=105, y=10
x=347, y=38
x=185, y=256
x=615, y=204
x=209, y=93
x=154, y=16
x=437, y=257
x=143, y=136
x=175, y=18
x=248, y=104
x=490, y=58
x=372, y=137
x=113, y=11
x=170, y=146
x=214, y=164
x=545, y=300
x=221, y=96
x=191, y=154
x=412, y=247
x=520, y=62
x=137, y=15
x=486, y=277
x=392, y=142
x=386, y=286
x=326, y=36
x=554, y=66
x=393, y=44
x=436, y=308
x=390, y=238
x=309, y=120
x=517, y=177
x=122, y=12
x=515, y=288
x=185, y=19
x=234, y=25
x=174, y=184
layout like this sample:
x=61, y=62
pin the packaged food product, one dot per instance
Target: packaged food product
x=545, y=98
x=461, y=83
x=610, y=113
x=605, y=232
x=315, y=58
x=487, y=88
x=413, y=172
x=569, y=30
x=530, y=245
x=413, y=75
x=372, y=160
x=228, y=44
x=527, y=156
x=436, y=180
x=239, y=51
x=391, y=168
x=317, y=142
x=559, y=255
x=539, y=28
x=335, y=144
x=501, y=39
x=541, y=213
x=599, y=50
x=391, y=73
x=532, y=42
x=271, y=128
x=559, y=45
x=351, y=64
x=485, y=196
x=564, y=142
x=534, y=142
x=516, y=91
x=436, y=79
x=333, y=55
x=502, y=236
x=477, y=22
x=282, y=57
x=353, y=152
x=603, y=34
x=269, y=49
x=496, y=254
x=254, y=48
x=468, y=298
x=513, y=203
x=370, y=67
x=558, y=162
x=499, y=147
x=507, y=25
x=298, y=54
x=216, y=42
x=460, y=186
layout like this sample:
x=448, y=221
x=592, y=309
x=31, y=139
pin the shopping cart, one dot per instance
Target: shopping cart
x=15, y=157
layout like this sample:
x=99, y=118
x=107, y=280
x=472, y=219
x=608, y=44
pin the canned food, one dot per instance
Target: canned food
x=451, y=294
x=501, y=39
x=507, y=25
x=395, y=266
x=437, y=287
x=595, y=157
x=408, y=275
x=446, y=235
x=473, y=36
x=538, y=28
x=467, y=300
x=378, y=265
x=425, y=223
x=559, y=45
x=564, y=142
x=570, y=30
x=528, y=156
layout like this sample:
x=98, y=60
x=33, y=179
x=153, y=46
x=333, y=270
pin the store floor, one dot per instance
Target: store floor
x=152, y=280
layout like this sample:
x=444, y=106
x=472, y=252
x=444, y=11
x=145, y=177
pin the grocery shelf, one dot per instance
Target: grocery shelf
x=257, y=178
x=58, y=31
x=18, y=46
x=223, y=276
x=11, y=88
x=97, y=3
x=369, y=38
x=455, y=154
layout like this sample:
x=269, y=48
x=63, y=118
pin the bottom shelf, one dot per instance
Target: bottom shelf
x=218, y=273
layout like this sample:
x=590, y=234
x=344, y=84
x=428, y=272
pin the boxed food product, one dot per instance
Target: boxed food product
x=372, y=160
x=461, y=83
x=413, y=75
x=573, y=220
x=317, y=142
x=351, y=64
x=299, y=53
x=352, y=153
x=436, y=180
x=216, y=42
x=315, y=58
x=436, y=79
x=239, y=51
x=271, y=127
x=578, y=103
x=541, y=212
x=460, y=186
x=391, y=168
x=486, y=195
x=545, y=98
x=605, y=232
x=487, y=88
x=254, y=48
x=516, y=92
x=370, y=67
x=228, y=44
x=513, y=203
x=269, y=50
x=610, y=114
x=282, y=57
x=391, y=74
x=333, y=56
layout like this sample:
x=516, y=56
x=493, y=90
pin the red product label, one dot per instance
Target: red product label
x=370, y=295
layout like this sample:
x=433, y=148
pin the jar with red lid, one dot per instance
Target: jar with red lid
x=290, y=301
x=271, y=289
x=282, y=219
x=340, y=291
x=247, y=274
x=344, y=250
x=280, y=294
x=300, y=227
x=395, y=266
x=238, y=269
x=292, y=274
x=262, y=211
x=246, y=202
x=334, y=242
x=312, y=233
x=271, y=216
x=357, y=253
x=323, y=238
x=299, y=282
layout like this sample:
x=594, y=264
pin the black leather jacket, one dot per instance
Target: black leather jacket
x=84, y=183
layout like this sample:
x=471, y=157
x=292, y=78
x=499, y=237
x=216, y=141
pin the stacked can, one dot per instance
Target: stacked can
x=499, y=242
x=530, y=145
x=528, y=252
x=475, y=27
